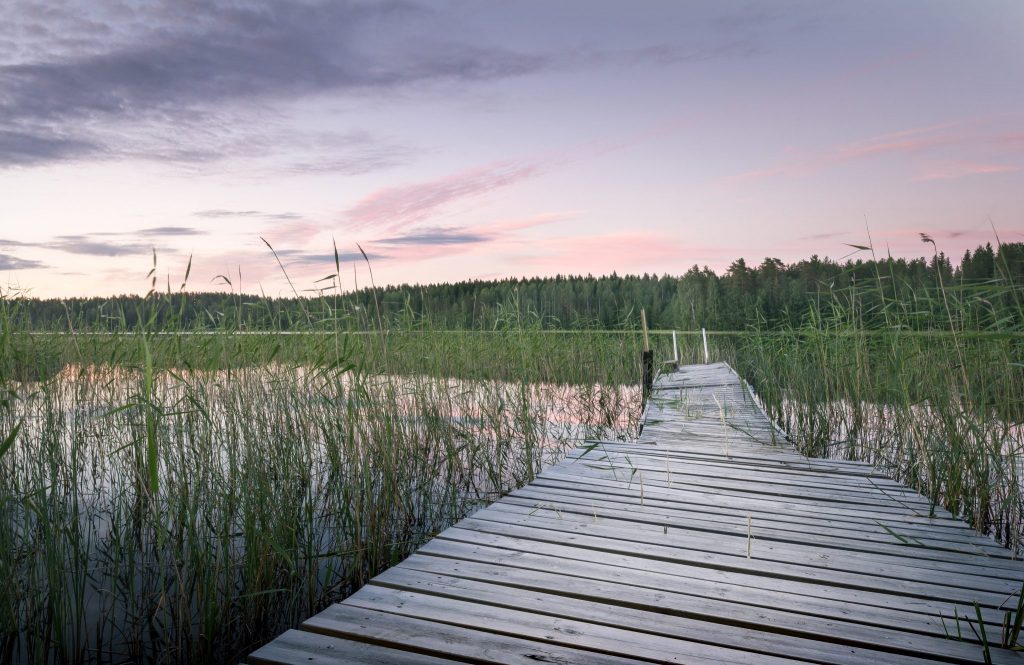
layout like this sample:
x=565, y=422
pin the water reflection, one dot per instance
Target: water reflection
x=194, y=523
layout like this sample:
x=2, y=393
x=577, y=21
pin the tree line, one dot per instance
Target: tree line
x=982, y=291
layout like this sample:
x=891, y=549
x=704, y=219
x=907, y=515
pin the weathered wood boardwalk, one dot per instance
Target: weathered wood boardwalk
x=708, y=540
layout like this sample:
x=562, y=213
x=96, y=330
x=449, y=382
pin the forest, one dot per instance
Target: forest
x=986, y=286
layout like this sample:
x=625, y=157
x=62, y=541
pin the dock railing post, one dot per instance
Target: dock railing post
x=704, y=334
x=647, y=360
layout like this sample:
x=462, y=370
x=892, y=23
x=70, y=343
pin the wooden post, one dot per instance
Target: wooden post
x=704, y=334
x=647, y=358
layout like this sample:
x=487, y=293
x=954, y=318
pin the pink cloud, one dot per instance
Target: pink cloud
x=393, y=208
x=950, y=169
x=944, y=137
x=906, y=141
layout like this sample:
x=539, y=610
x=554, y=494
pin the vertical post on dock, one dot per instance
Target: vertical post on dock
x=675, y=349
x=704, y=334
x=647, y=358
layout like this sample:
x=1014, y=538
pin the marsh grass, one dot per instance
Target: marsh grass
x=936, y=402
x=177, y=497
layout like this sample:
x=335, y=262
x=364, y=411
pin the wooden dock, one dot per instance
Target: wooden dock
x=708, y=540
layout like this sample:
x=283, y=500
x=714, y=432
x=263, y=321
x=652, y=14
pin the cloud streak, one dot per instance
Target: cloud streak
x=394, y=208
x=308, y=258
x=220, y=213
x=95, y=244
x=438, y=236
x=953, y=169
x=917, y=144
x=11, y=262
x=165, y=231
x=88, y=246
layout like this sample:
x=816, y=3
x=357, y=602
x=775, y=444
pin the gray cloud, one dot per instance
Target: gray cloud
x=151, y=232
x=93, y=244
x=280, y=48
x=186, y=73
x=26, y=148
x=437, y=236
x=90, y=246
x=357, y=164
x=10, y=262
x=295, y=256
x=158, y=231
x=220, y=213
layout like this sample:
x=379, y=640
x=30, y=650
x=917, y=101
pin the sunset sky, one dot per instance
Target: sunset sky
x=469, y=139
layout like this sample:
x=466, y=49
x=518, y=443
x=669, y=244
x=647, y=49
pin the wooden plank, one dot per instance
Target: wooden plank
x=949, y=591
x=453, y=559
x=796, y=465
x=745, y=499
x=767, y=469
x=879, y=567
x=739, y=526
x=551, y=629
x=297, y=647
x=685, y=500
x=883, y=504
x=682, y=498
x=791, y=549
x=763, y=525
x=508, y=551
x=761, y=482
x=708, y=608
x=655, y=622
x=882, y=566
x=435, y=638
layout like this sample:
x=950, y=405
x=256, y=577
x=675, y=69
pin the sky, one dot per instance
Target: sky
x=482, y=140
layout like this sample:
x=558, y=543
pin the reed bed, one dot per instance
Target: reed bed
x=184, y=498
x=935, y=402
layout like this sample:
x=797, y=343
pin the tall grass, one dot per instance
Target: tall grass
x=170, y=497
x=936, y=402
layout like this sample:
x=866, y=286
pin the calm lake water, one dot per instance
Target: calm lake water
x=195, y=520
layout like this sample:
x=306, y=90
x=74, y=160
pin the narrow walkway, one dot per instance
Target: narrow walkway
x=708, y=540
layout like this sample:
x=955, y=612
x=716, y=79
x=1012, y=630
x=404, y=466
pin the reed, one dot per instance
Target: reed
x=178, y=497
x=935, y=401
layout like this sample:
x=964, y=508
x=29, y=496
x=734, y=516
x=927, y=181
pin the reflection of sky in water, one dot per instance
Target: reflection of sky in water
x=83, y=438
x=470, y=406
